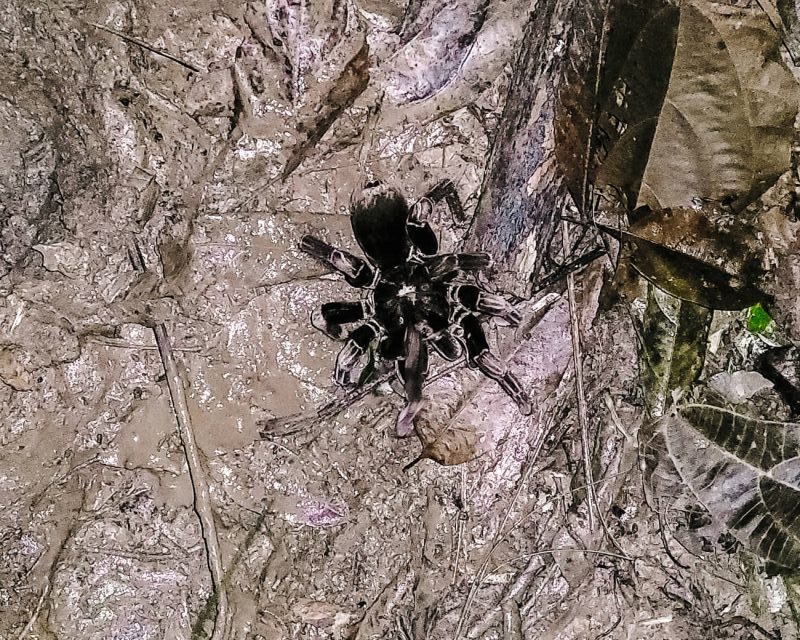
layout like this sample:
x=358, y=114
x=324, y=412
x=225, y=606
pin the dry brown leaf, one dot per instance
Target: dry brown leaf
x=727, y=122
x=696, y=255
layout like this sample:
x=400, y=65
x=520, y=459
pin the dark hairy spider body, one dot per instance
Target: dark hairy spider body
x=417, y=298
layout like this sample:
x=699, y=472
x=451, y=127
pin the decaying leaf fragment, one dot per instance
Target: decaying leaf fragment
x=435, y=46
x=674, y=336
x=450, y=446
x=746, y=472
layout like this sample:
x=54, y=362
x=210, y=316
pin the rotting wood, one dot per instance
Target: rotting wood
x=510, y=209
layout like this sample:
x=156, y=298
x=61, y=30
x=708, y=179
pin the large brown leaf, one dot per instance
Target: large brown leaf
x=727, y=123
x=696, y=255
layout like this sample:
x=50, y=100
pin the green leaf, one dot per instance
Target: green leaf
x=673, y=349
x=757, y=319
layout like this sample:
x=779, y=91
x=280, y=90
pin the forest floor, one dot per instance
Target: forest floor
x=139, y=190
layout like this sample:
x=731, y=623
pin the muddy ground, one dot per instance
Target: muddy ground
x=140, y=190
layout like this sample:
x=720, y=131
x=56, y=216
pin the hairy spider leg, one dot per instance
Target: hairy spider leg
x=412, y=370
x=356, y=271
x=475, y=299
x=332, y=315
x=490, y=365
x=392, y=344
x=451, y=263
x=353, y=351
x=446, y=190
x=446, y=345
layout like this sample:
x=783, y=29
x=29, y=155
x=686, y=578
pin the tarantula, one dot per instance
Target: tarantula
x=417, y=298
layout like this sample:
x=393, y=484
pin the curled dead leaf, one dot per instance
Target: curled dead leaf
x=448, y=447
x=696, y=255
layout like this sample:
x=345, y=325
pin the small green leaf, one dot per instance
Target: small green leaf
x=757, y=319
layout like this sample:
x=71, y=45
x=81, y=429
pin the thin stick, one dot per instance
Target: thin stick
x=781, y=31
x=202, y=501
x=124, y=344
x=612, y=410
x=462, y=519
x=585, y=187
x=577, y=360
x=35, y=614
x=144, y=45
x=473, y=590
x=545, y=552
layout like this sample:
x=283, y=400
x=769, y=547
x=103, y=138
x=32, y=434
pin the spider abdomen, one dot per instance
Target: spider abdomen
x=379, y=225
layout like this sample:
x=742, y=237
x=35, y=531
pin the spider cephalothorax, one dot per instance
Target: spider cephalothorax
x=417, y=298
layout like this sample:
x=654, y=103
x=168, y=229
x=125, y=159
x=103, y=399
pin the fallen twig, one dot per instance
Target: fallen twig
x=125, y=344
x=463, y=515
x=202, y=502
x=144, y=45
x=512, y=622
x=473, y=590
x=591, y=501
x=499, y=537
x=288, y=425
x=35, y=613
x=514, y=592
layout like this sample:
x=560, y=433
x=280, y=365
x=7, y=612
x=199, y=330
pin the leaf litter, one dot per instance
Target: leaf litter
x=321, y=534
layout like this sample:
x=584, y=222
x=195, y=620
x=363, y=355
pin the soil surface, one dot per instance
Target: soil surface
x=158, y=166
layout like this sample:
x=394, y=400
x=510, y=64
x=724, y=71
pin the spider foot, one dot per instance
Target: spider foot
x=334, y=331
x=491, y=366
x=405, y=421
x=347, y=365
x=354, y=356
x=496, y=305
x=446, y=345
x=477, y=300
x=330, y=318
x=355, y=270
